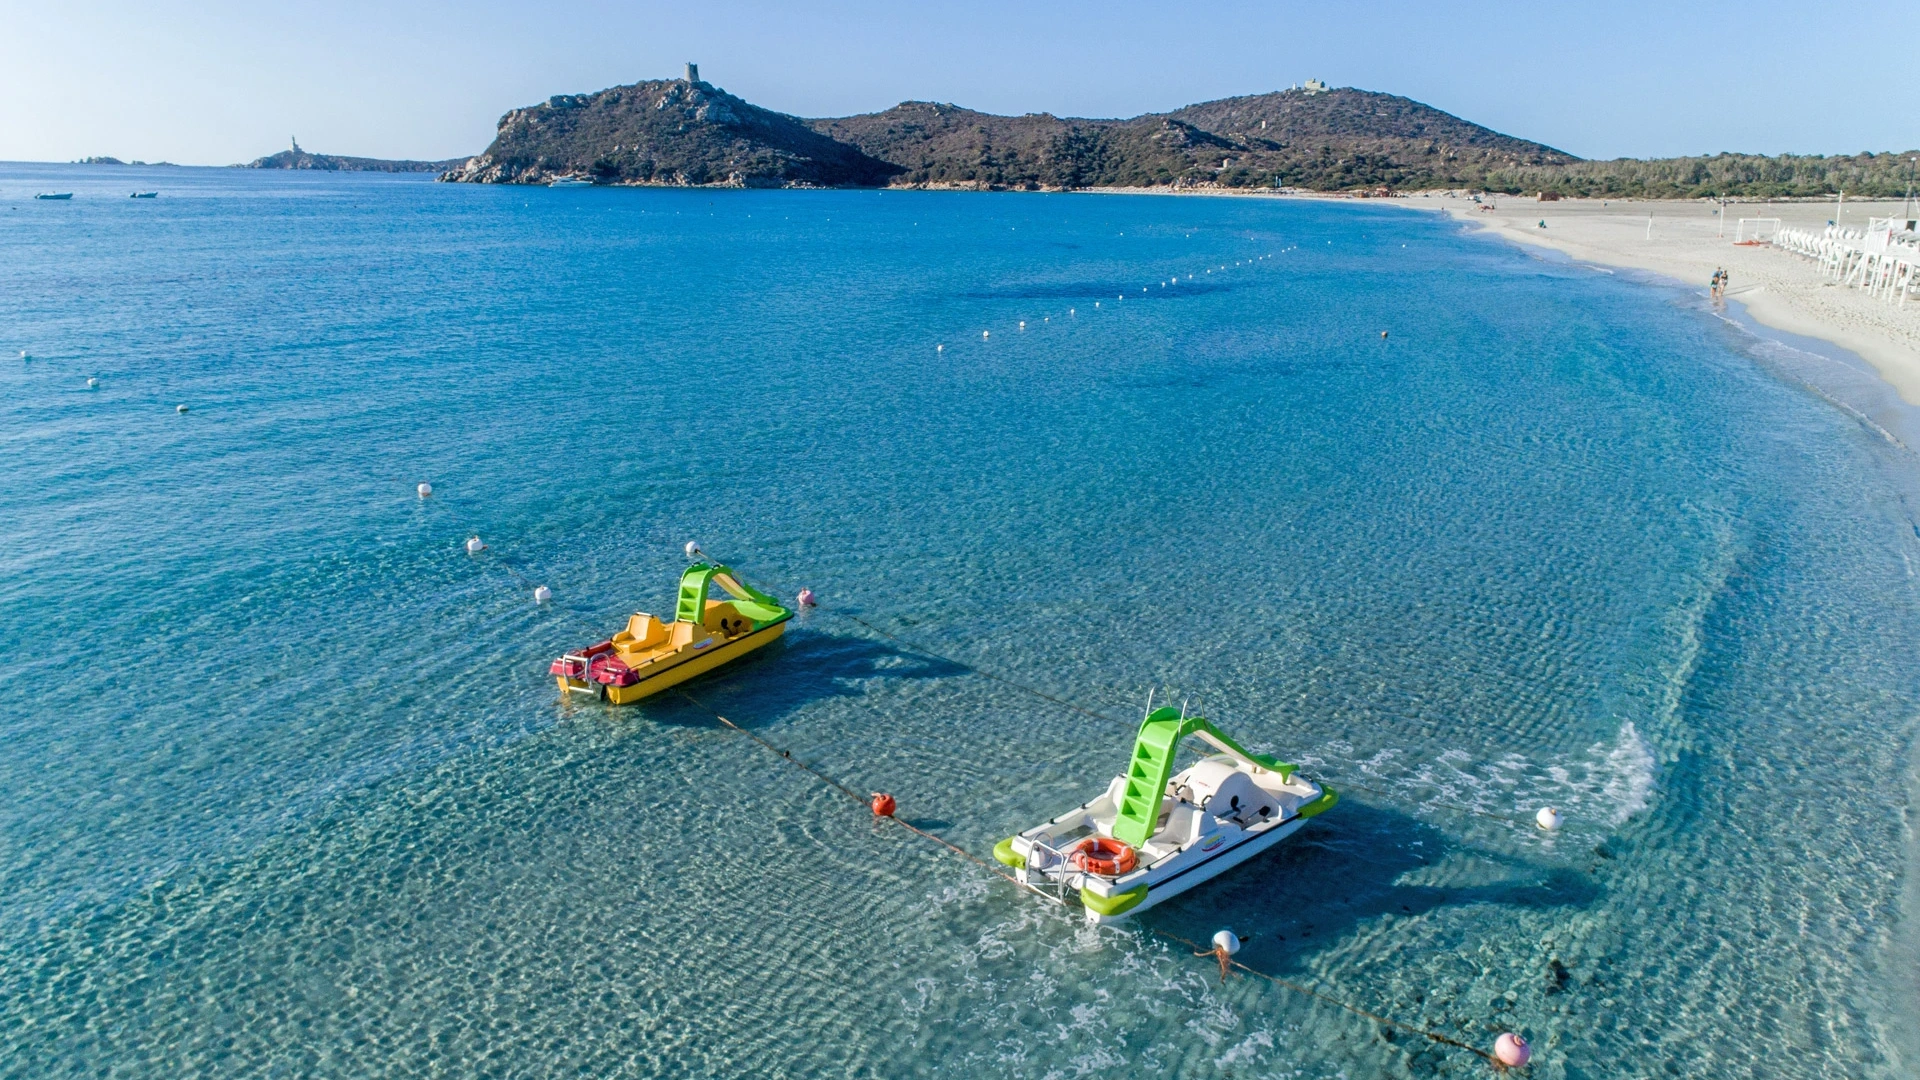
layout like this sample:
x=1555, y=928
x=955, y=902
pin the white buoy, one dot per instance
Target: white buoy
x=1548, y=818
x=542, y=594
x=179, y=408
x=424, y=490
x=92, y=382
x=1023, y=324
x=1226, y=942
x=1096, y=303
x=1069, y=311
x=1511, y=1050
x=805, y=598
x=693, y=549
x=474, y=546
x=939, y=348
x=984, y=333
x=24, y=356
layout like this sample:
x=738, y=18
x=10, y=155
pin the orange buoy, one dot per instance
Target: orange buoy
x=1102, y=855
x=883, y=805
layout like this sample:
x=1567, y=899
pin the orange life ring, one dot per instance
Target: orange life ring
x=1102, y=855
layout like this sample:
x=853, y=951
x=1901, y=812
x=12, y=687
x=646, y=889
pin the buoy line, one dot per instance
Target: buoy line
x=1175, y=280
x=1445, y=1040
x=876, y=805
x=1000, y=872
x=442, y=503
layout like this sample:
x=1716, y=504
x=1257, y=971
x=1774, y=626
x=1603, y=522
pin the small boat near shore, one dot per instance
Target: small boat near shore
x=650, y=655
x=54, y=195
x=569, y=181
x=145, y=195
x=1153, y=835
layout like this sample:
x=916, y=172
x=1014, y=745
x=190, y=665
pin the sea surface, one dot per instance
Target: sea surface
x=1463, y=530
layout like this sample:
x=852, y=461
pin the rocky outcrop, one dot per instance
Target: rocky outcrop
x=297, y=158
x=670, y=132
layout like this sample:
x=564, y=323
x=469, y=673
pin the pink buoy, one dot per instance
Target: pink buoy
x=1511, y=1050
x=806, y=598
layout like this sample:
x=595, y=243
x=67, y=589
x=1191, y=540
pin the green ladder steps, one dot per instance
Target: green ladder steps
x=1147, y=776
x=1152, y=767
x=692, y=606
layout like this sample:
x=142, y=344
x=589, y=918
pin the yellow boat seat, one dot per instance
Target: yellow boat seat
x=643, y=632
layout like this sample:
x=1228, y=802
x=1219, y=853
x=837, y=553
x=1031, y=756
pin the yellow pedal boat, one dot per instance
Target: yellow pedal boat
x=650, y=655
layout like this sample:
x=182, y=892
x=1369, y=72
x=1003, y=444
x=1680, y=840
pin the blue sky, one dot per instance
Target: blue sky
x=220, y=82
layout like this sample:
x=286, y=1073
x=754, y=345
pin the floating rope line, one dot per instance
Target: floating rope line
x=450, y=506
x=1446, y=1040
x=1000, y=872
x=787, y=756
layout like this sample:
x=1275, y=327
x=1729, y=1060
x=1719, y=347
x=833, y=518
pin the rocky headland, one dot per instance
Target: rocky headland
x=672, y=132
x=297, y=158
x=689, y=132
x=686, y=132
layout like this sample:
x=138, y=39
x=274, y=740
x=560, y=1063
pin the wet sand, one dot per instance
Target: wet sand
x=1779, y=289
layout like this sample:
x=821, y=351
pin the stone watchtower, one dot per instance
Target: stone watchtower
x=693, y=72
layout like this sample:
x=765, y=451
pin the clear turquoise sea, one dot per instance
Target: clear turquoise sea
x=288, y=792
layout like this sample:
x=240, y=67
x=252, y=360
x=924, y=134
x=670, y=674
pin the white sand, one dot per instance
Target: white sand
x=1779, y=290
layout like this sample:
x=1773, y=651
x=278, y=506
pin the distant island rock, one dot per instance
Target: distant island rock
x=117, y=161
x=297, y=158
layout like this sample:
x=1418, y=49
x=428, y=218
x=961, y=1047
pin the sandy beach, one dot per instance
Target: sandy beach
x=1686, y=243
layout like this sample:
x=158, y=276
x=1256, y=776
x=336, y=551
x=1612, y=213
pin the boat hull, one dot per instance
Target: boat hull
x=1179, y=881
x=673, y=675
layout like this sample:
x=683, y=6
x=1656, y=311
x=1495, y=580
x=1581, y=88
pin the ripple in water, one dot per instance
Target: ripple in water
x=290, y=794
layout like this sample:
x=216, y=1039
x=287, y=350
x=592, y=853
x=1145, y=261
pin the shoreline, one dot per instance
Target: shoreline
x=1778, y=290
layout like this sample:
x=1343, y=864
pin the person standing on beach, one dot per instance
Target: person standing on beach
x=1713, y=285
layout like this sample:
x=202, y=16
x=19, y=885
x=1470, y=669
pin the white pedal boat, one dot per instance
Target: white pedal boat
x=1154, y=835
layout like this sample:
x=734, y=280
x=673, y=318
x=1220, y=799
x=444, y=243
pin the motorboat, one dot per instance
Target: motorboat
x=54, y=195
x=1154, y=834
x=650, y=654
x=569, y=181
x=145, y=195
